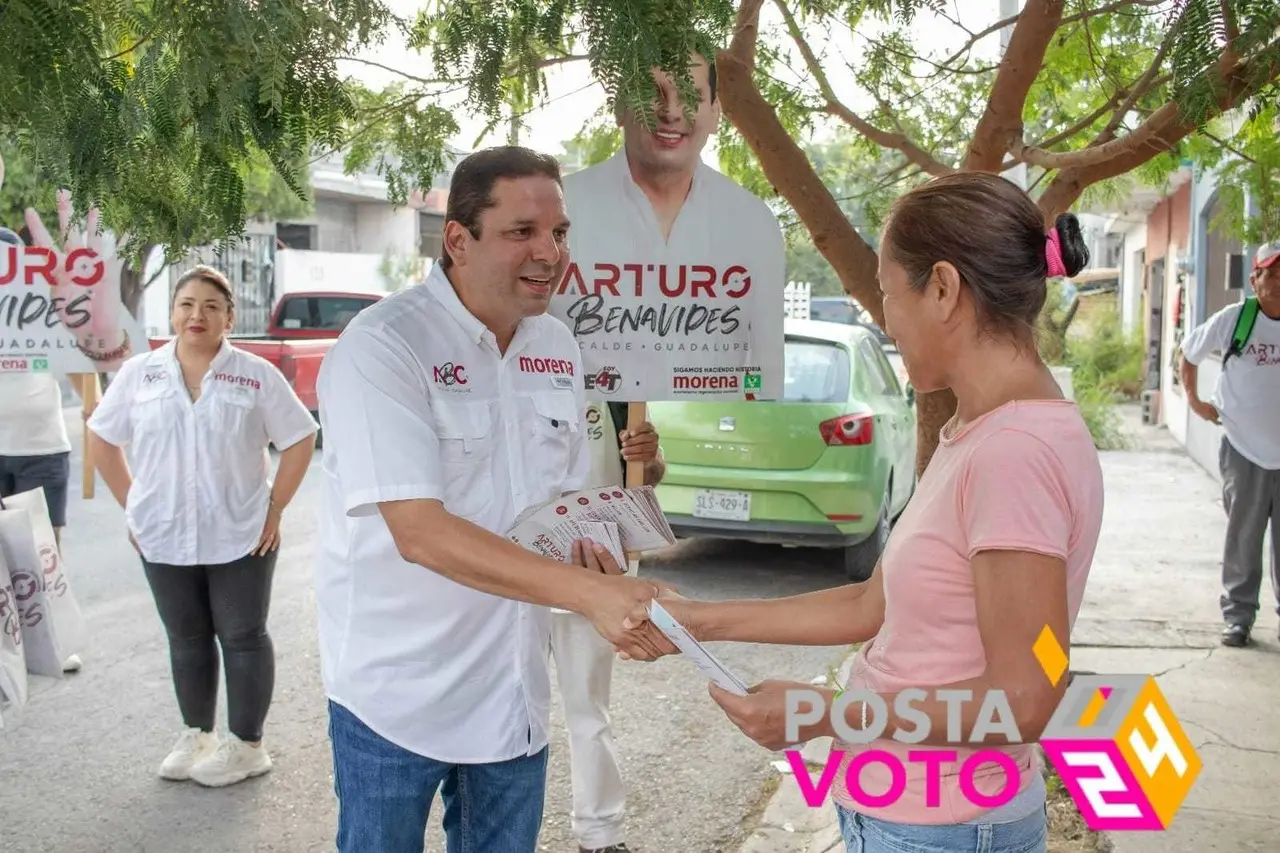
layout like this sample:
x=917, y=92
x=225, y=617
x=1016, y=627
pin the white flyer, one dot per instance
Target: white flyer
x=695, y=651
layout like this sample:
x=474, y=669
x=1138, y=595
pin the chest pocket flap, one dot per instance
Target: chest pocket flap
x=463, y=427
x=556, y=411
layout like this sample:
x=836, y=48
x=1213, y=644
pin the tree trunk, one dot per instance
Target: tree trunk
x=933, y=410
x=132, y=284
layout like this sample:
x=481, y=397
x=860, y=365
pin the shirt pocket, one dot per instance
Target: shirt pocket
x=233, y=414
x=555, y=422
x=156, y=411
x=464, y=431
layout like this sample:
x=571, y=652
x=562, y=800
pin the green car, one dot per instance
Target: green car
x=831, y=464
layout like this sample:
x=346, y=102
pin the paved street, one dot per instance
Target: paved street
x=78, y=768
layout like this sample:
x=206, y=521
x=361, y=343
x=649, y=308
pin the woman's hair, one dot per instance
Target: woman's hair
x=209, y=275
x=993, y=234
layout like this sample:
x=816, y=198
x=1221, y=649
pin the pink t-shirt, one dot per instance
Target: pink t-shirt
x=1025, y=476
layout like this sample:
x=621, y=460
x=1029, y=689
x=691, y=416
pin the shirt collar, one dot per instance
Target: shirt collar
x=167, y=356
x=622, y=174
x=441, y=288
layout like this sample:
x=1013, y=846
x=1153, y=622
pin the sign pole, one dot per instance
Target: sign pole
x=90, y=395
x=636, y=414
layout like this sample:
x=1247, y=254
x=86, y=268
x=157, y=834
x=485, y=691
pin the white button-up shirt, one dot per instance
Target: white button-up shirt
x=416, y=402
x=201, y=471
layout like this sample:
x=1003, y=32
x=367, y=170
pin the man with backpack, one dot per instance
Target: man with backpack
x=1246, y=402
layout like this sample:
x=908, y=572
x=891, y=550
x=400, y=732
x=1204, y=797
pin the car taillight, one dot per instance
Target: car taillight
x=848, y=430
x=288, y=368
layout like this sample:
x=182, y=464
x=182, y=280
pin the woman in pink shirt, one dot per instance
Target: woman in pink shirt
x=995, y=544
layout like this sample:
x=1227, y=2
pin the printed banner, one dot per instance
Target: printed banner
x=694, y=314
x=60, y=303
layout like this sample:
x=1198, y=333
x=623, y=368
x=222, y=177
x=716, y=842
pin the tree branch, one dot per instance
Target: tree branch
x=1145, y=83
x=1001, y=122
x=137, y=44
x=746, y=33
x=1229, y=16
x=1063, y=136
x=1234, y=82
x=883, y=138
x=1070, y=19
x=788, y=168
x=561, y=60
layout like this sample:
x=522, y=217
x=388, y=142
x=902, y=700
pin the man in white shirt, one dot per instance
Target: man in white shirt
x=1246, y=402
x=584, y=660
x=448, y=410
x=663, y=205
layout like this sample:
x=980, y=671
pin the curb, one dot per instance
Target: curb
x=788, y=824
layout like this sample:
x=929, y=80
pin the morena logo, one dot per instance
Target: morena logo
x=449, y=374
x=557, y=366
x=241, y=381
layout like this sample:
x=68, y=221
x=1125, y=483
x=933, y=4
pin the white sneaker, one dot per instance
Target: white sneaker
x=233, y=761
x=72, y=664
x=193, y=746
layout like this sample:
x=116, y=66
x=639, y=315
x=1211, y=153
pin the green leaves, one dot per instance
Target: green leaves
x=159, y=111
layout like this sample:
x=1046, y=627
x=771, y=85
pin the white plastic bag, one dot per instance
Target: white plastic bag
x=52, y=625
x=13, y=663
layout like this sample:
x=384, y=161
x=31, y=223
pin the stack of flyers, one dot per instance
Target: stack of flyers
x=636, y=521
x=606, y=533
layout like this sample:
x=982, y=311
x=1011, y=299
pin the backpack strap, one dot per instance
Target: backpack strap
x=1244, y=328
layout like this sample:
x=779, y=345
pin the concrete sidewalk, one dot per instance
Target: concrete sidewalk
x=1152, y=607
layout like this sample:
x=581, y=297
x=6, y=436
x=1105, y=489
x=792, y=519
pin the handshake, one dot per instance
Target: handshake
x=618, y=605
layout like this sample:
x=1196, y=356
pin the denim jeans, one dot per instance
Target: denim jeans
x=384, y=794
x=863, y=834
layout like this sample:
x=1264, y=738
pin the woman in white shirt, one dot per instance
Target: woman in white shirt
x=196, y=417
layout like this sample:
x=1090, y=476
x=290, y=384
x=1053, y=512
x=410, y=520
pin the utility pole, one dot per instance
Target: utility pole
x=1009, y=8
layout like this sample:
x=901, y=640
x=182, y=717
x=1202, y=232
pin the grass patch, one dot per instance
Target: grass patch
x=1067, y=830
x=1106, y=368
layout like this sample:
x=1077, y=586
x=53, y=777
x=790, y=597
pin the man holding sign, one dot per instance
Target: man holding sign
x=673, y=291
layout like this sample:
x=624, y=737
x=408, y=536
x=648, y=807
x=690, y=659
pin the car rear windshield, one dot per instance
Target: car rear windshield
x=815, y=372
x=321, y=312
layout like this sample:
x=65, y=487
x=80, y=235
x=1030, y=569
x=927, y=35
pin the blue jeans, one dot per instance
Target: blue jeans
x=384, y=794
x=864, y=834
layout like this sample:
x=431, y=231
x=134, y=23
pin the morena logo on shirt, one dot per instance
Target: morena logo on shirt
x=241, y=381
x=555, y=366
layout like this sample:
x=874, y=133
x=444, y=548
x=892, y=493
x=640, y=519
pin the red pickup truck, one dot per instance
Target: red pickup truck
x=302, y=328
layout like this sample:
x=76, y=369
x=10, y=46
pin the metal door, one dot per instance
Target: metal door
x=250, y=267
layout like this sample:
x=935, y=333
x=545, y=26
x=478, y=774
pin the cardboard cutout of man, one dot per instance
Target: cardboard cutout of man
x=653, y=205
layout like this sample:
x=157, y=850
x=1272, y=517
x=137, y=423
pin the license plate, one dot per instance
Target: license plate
x=726, y=506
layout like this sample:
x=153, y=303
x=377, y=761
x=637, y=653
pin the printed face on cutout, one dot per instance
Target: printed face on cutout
x=201, y=313
x=675, y=144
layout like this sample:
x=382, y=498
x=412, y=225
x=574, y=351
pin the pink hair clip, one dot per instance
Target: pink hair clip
x=1053, y=253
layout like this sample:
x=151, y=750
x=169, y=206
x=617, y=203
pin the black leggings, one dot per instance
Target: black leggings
x=229, y=601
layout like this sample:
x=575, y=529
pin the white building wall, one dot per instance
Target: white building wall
x=1132, y=274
